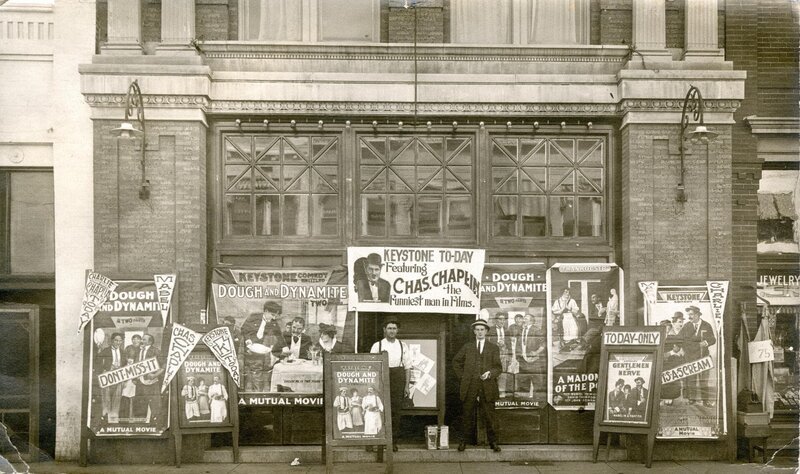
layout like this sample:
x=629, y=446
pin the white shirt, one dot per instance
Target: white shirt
x=393, y=348
x=295, y=346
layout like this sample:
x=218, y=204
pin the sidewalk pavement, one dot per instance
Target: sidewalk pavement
x=776, y=465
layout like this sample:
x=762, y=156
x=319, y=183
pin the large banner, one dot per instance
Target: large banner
x=692, y=382
x=415, y=280
x=280, y=319
x=582, y=298
x=513, y=302
x=127, y=364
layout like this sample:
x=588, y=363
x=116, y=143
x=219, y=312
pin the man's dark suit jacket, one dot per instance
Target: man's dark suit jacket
x=286, y=341
x=469, y=367
x=106, y=359
x=365, y=294
x=691, y=341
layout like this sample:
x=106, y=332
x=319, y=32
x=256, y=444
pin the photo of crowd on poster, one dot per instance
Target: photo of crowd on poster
x=127, y=363
x=629, y=382
x=359, y=400
x=582, y=299
x=282, y=321
x=513, y=303
x=204, y=395
x=691, y=383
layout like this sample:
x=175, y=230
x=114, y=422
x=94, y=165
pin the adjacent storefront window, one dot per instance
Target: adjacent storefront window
x=548, y=187
x=27, y=245
x=778, y=204
x=281, y=185
x=416, y=186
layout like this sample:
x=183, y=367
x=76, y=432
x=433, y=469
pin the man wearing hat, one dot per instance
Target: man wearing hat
x=259, y=328
x=344, y=420
x=189, y=394
x=639, y=396
x=677, y=324
x=698, y=336
x=477, y=365
x=373, y=288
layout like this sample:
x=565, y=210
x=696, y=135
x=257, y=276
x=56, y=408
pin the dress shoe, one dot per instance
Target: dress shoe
x=495, y=447
x=462, y=446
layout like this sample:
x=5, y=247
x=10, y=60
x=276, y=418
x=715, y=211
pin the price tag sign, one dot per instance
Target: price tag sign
x=761, y=351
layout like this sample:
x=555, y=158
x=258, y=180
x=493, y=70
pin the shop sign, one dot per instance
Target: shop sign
x=415, y=280
x=126, y=365
x=582, y=300
x=513, y=301
x=693, y=399
x=274, y=318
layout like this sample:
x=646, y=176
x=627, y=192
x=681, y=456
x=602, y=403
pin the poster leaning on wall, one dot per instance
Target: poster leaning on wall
x=693, y=400
x=582, y=298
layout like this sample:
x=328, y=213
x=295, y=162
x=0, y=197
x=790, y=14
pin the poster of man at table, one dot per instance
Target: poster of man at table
x=282, y=320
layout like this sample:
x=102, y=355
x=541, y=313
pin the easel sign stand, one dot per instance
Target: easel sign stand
x=629, y=386
x=364, y=378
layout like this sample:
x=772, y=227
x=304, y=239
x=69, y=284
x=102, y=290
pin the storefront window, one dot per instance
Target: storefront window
x=27, y=245
x=778, y=204
x=281, y=186
x=548, y=187
x=416, y=186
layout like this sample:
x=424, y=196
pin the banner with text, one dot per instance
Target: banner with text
x=513, y=302
x=127, y=364
x=95, y=293
x=279, y=320
x=415, y=280
x=693, y=379
x=582, y=298
x=181, y=343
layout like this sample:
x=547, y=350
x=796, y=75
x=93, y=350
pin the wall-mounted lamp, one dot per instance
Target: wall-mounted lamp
x=693, y=102
x=134, y=110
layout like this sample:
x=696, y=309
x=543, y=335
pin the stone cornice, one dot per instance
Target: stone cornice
x=675, y=105
x=369, y=108
x=774, y=125
x=159, y=101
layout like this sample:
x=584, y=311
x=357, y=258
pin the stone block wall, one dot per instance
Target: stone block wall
x=166, y=232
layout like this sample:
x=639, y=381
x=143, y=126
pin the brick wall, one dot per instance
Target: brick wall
x=430, y=24
x=778, y=34
x=167, y=232
x=661, y=238
x=212, y=20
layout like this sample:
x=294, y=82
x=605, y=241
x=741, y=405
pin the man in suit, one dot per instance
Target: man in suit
x=640, y=397
x=698, y=336
x=530, y=347
x=264, y=329
x=616, y=400
x=296, y=345
x=373, y=288
x=477, y=365
x=148, y=390
x=110, y=358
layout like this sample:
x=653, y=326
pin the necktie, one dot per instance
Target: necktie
x=191, y=392
x=295, y=339
x=260, y=332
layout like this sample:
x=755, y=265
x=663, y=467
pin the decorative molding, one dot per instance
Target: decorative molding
x=365, y=108
x=773, y=125
x=410, y=57
x=675, y=105
x=166, y=101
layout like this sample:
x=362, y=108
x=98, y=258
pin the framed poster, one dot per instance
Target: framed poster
x=424, y=373
x=358, y=404
x=204, y=391
x=629, y=383
x=693, y=402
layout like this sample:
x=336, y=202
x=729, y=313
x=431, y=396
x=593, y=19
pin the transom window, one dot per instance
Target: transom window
x=548, y=187
x=416, y=186
x=281, y=185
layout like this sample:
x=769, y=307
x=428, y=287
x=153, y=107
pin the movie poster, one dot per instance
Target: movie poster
x=358, y=400
x=693, y=380
x=513, y=302
x=127, y=363
x=629, y=383
x=281, y=321
x=415, y=280
x=204, y=398
x=582, y=298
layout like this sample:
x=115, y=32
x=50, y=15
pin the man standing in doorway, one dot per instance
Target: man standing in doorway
x=399, y=371
x=477, y=365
